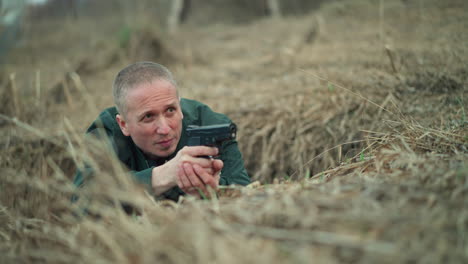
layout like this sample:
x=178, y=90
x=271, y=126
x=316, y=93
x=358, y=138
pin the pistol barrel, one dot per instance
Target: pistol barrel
x=212, y=135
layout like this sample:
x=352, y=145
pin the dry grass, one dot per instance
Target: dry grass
x=353, y=122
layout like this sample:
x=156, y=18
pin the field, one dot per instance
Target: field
x=352, y=122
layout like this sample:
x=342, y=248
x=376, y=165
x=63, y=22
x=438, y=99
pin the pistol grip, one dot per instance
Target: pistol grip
x=193, y=141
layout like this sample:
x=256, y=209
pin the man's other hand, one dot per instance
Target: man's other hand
x=189, y=171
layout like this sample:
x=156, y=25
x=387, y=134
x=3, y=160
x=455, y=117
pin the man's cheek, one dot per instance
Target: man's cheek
x=146, y=130
x=175, y=126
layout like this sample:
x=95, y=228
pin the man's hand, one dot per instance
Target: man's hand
x=189, y=171
x=192, y=178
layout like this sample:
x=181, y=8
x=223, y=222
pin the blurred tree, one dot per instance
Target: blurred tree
x=10, y=24
x=180, y=9
x=274, y=8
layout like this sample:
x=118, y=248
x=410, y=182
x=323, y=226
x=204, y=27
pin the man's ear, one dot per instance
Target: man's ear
x=122, y=124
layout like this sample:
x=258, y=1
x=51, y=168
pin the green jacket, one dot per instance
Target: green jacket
x=195, y=113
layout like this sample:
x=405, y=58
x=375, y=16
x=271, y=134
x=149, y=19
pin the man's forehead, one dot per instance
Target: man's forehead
x=157, y=83
x=153, y=88
x=158, y=92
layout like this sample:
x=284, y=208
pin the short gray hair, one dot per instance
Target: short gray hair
x=136, y=74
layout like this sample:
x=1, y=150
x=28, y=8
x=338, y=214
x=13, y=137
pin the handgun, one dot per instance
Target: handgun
x=212, y=135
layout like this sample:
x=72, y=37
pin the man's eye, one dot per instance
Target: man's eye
x=147, y=116
x=171, y=109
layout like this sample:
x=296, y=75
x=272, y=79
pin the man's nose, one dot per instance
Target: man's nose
x=162, y=127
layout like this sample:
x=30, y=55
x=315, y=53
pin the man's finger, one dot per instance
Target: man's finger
x=193, y=178
x=209, y=171
x=197, y=151
x=184, y=182
x=217, y=165
x=208, y=179
x=203, y=162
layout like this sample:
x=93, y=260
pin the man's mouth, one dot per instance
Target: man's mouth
x=165, y=143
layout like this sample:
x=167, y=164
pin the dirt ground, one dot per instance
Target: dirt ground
x=352, y=121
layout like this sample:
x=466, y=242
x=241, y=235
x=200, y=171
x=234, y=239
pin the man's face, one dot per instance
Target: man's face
x=153, y=118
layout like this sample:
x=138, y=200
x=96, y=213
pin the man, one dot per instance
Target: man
x=147, y=132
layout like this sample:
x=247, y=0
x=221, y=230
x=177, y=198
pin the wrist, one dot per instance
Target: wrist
x=161, y=181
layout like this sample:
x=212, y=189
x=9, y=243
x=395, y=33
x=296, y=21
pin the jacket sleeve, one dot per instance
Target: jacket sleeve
x=233, y=171
x=82, y=175
x=143, y=176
